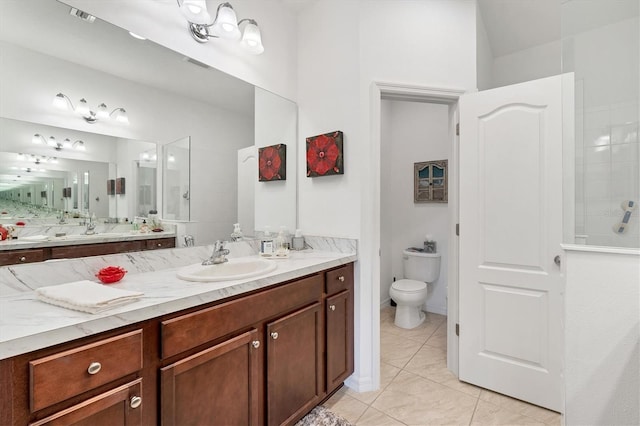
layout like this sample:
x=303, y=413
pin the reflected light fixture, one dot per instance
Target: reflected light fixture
x=78, y=145
x=62, y=101
x=225, y=25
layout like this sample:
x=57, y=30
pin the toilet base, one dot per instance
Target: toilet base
x=409, y=316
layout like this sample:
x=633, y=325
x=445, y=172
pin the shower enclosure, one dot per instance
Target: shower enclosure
x=601, y=46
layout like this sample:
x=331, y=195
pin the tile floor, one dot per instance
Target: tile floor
x=417, y=389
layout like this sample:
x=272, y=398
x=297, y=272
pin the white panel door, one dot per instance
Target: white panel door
x=510, y=232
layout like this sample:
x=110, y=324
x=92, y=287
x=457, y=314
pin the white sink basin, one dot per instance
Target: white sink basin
x=234, y=269
x=35, y=238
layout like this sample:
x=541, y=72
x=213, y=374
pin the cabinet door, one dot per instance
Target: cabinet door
x=119, y=406
x=294, y=364
x=218, y=386
x=339, y=329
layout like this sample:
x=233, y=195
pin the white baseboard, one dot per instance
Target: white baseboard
x=385, y=303
x=441, y=310
x=360, y=384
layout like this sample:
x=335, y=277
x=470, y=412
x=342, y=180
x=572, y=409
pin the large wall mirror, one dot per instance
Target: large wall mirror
x=167, y=98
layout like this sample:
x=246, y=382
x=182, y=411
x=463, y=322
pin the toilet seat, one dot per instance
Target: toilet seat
x=409, y=286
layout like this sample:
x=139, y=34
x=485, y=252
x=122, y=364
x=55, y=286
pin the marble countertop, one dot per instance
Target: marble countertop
x=27, y=324
x=78, y=239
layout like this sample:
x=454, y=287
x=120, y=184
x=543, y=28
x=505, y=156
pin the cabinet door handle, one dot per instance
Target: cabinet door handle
x=94, y=368
x=332, y=307
x=23, y=259
x=341, y=278
x=135, y=401
x=159, y=244
x=256, y=344
x=274, y=335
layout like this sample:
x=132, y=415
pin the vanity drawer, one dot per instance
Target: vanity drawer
x=21, y=256
x=160, y=243
x=197, y=328
x=60, y=376
x=339, y=279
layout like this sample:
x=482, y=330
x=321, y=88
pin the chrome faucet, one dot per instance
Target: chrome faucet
x=218, y=255
x=91, y=226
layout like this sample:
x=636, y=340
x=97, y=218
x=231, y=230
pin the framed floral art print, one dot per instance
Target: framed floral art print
x=324, y=155
x=272, y=163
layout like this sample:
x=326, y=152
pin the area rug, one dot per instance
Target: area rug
x=321, y=416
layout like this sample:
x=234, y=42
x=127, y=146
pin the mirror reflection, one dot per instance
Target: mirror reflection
x=166, y=97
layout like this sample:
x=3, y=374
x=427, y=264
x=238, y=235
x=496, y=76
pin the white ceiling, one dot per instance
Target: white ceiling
x=514, y=25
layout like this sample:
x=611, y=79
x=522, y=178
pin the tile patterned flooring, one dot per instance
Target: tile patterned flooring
x=417, y=389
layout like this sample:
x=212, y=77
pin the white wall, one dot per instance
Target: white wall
x=428, y=43
x=216, y=134
x=387, y=209
x=529, y=64
x=484, y=54
x=418, y=132
x=602, y=330
x=276, y=121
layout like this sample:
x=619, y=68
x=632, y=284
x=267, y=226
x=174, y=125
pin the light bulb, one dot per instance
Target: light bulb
x=195, y=11
x=59, y=101
x=37, y=139
x=251, y=39
x=52, y=142
x=121, y=116
x=66, y=143
x=102, y=111
x=83, y=107
x=226, y=23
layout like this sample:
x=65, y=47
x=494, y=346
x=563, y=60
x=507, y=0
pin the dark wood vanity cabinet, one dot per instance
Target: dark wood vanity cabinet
x=265, y=358
x=294, y=365
x=13, y=257
x=339, y=326
x=219, y=385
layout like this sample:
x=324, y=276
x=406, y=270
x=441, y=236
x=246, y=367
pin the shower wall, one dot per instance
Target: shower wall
x=601, y=45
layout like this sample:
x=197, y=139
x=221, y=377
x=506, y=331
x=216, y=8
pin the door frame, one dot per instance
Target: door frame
x=424, y=94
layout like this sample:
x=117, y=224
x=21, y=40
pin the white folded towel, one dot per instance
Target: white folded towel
x=86, y=296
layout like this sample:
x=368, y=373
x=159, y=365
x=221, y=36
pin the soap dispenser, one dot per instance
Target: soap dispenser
x=282, y=243
x=236, y=235
x=266, y=243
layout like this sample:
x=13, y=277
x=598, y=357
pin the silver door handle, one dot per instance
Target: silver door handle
x=557, y=260
x=274, y=335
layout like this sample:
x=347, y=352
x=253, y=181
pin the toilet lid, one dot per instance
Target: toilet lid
x=409, y=285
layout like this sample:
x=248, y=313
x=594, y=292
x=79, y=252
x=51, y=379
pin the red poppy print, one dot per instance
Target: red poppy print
x=272, y=163
x=324, y=155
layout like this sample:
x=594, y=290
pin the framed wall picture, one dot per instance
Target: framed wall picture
x=120, y=188
x=325, y=154
x=272, y=163
x=111, y=186
x=430, y=182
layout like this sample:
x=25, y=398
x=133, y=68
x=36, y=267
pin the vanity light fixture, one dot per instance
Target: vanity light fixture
x=224, y=25
x=78, y=145
x=62, y=101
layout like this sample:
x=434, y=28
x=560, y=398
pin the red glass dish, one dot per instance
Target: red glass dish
x=111, y=274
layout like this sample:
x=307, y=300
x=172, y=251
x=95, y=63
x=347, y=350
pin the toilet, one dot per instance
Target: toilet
x=411, y=292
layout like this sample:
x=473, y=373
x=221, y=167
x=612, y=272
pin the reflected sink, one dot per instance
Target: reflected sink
x=234, y=269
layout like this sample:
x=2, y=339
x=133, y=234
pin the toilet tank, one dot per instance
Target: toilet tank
x=421, y=266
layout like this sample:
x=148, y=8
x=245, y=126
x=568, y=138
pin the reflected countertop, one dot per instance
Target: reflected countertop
x=45, y=240
x=27, y=324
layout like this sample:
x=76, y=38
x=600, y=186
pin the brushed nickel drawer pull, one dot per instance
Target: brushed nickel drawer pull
x=256, y=344
x=23, y=259
x=94, y=368
x=274, y=335
x=135, y=401
x=341, y=278
x=332, y=307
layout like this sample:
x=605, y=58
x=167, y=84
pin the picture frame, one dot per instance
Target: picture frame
x=111, y=186
x=325, y=155
x=272, y=163
x=120, y=185
x=430, y=182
